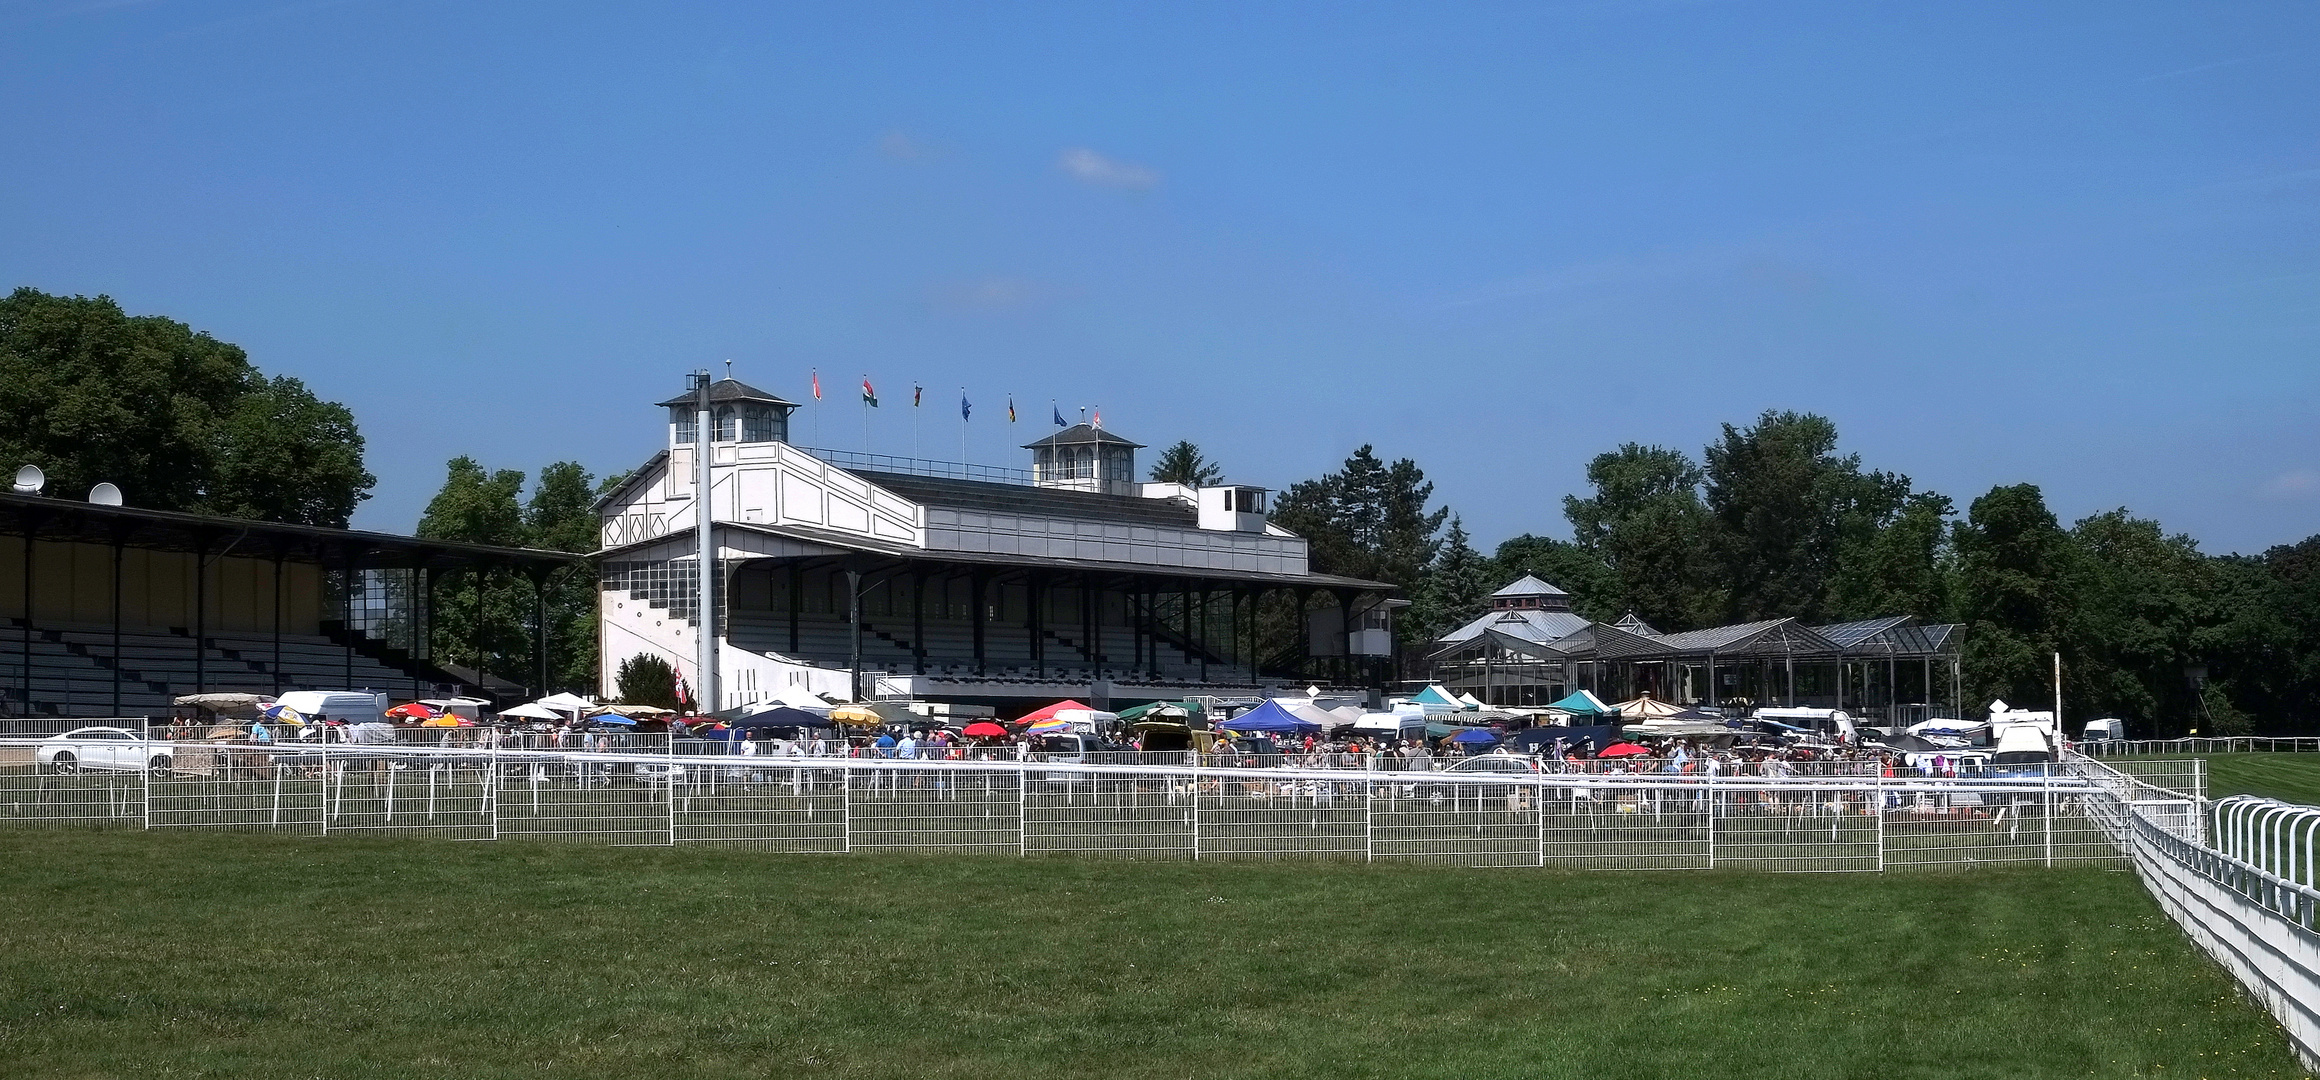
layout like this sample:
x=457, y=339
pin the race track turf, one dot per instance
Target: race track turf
x=192, y=954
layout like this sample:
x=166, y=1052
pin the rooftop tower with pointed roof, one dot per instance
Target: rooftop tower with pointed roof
x=1528, y=593
x=1084, y=457
x=739, y=412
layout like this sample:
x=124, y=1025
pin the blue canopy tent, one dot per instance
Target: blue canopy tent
x=1582, y=703
x=1472, y=736
x=1272, y=719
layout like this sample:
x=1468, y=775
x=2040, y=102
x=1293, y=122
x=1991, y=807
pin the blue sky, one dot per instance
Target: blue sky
x=2073, y=244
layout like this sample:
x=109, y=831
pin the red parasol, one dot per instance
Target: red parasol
x=413, y=711
x=1625, y=749
x=984, y=729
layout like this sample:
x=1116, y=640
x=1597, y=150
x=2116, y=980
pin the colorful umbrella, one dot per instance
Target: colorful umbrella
x=412, y=711
x=283, y=714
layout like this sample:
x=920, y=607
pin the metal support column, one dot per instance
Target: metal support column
x=201, y=615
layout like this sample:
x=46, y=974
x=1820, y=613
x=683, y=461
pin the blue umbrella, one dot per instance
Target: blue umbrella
x=1472, y=736
x=613, y=719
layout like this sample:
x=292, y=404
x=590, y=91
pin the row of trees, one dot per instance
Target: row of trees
x=490, y=620
x=1772, y=521
x=178, y=420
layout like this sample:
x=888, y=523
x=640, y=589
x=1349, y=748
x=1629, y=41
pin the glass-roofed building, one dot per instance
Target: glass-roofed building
x=1530, y=649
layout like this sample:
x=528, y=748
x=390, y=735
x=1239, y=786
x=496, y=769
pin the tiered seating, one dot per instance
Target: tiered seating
x=74, y=668
x=949, y=645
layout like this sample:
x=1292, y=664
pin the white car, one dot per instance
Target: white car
x=103, y=749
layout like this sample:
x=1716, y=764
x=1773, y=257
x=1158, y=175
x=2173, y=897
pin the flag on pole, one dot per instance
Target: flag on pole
x=869, y=396
x=1058, y=415
x=1010, y=408
x=966, y=408
x=916, y=392
x=1099, y=417
x=817, y=384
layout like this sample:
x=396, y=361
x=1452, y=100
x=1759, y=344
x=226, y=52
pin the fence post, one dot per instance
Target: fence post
x=1023, y=809
x=1710, y=774
x=2048, y=815
x=145, y=748
x=669, y=776
x=1196, y=808
x=846, y=801
x=1877, y=806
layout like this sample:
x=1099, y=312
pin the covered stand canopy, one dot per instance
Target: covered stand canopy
x=1582, y=703
x=1271, y=718
x=533, y=711
x=781, y=716
x=571, y=703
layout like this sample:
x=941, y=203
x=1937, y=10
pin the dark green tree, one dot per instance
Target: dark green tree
x=481, y=616
x=1646, y=524
x=1785, y=507
x=2014, y=563
x=1366, y=520
x=177, y=419
x=1899, y=566
x=1183, y=464
x=561, y=516
x=1456, y=588
x=645, y=679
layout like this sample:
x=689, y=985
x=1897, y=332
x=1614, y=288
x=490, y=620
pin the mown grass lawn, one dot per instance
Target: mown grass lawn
x=2293, y=777
x=184, y=954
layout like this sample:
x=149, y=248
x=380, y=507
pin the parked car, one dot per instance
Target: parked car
x=100, y=749
x=1494, y=763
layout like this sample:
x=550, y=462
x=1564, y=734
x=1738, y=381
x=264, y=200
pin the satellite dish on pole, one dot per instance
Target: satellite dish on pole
x=29, y=480
x=105, y=495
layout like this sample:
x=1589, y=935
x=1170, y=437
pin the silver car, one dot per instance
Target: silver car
x=100, y=749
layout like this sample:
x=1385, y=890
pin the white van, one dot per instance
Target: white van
x=2105, y=730
x=346, y=705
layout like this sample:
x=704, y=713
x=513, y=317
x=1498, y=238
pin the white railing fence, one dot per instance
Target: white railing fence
x=2235, y=744
x=467, y=784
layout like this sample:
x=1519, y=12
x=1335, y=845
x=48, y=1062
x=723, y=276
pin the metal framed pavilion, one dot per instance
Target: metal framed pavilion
x=1872, y=667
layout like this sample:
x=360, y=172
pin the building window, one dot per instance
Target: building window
x=683, y=421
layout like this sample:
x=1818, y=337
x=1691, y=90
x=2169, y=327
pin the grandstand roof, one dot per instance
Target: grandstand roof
x=1046, y=502
x=169, y=530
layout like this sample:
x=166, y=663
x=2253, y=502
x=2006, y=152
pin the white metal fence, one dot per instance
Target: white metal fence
x=472, y=785
x=2237, y=744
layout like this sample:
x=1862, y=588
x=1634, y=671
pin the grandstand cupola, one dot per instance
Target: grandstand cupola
x=738, y=412
x=1085, y=458
x=1530, y=594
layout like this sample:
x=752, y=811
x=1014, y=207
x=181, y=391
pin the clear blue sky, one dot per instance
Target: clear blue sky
x=2073, y=244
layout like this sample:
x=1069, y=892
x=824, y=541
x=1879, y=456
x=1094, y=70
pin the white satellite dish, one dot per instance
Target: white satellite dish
x=105, y=495
x=29, y=480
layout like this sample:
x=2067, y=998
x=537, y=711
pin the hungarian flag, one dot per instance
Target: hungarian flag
x=916, y=392
x=869, y=396
x=817, y=385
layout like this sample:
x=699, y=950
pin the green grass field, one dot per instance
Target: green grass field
x=2293, y=777
x=217, y=954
